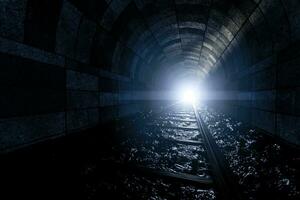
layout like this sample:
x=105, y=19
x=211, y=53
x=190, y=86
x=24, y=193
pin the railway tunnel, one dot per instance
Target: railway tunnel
x=150, y=99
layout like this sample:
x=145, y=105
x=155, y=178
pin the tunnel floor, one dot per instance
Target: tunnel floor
x=156, y=156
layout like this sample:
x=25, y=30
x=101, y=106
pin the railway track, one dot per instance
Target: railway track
x=182, y=127
x=218, y=176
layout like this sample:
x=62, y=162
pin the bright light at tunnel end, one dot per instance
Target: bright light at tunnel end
x=188, y=95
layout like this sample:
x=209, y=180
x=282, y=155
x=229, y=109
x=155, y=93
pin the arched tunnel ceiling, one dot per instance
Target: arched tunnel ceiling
x=176, y=37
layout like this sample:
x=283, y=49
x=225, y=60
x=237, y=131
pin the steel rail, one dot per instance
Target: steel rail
x=225, y=186
x=222, y=176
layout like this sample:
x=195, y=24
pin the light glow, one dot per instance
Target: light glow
x=188, y=95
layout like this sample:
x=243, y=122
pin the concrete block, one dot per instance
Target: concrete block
x=22, y=131
x=86, y=32
x=67, y=30
x=108, y=99
x=82, y=99
x=129, y=109
x=94, y=9
x=292, y=10
x=25, y=51
x=41, y=23
x=288, y=128
x=244, y=99
x=93, y=116
x=264, y=80
x=289, y=73
x=264, y=100
x=108, y=84
x=21, y=72
x=81, y=81
x=274, y=12
x=81, y=119
x=12, y=15
x=288, y=101
x=108, y=19
x=264, y=120
x=29, y=101
x=108, y=113
x=243, y=114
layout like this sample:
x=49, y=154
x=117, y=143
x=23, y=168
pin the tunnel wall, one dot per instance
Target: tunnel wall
x=56, y=76
x=261, y=68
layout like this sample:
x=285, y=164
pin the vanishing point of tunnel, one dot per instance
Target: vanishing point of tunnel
x=150, y=99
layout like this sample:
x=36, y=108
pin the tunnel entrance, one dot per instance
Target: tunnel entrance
x=89, y=91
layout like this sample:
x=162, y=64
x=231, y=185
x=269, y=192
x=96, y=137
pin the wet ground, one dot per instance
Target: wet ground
x=109, y=162
x=148, y=144
x=124, y=185
x=264, y=168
